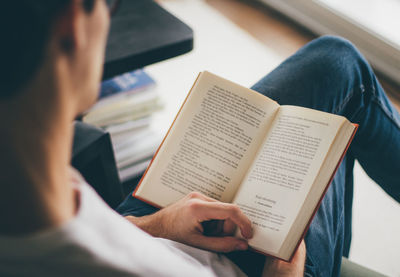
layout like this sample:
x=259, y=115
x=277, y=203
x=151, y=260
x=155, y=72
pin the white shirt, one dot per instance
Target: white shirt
x=99, y=242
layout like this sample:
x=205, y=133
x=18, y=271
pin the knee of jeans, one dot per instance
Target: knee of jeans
x=336, y=47
x=342, y=64
x=339, y=57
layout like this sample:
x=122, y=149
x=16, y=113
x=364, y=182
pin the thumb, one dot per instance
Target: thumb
x=220, y=244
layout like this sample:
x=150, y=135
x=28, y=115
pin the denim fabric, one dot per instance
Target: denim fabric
x=329, y=74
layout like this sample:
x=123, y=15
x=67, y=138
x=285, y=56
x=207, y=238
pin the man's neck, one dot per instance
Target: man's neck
x=35, y=154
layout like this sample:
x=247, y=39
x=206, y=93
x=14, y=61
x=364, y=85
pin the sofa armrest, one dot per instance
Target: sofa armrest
x=351, y=269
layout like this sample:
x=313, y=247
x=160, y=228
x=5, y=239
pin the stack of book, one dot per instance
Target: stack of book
x=124, y=109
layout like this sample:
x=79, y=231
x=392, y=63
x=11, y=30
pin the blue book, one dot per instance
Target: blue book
x=128, y=82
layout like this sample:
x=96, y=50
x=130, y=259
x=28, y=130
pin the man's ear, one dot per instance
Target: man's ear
x=69, y=27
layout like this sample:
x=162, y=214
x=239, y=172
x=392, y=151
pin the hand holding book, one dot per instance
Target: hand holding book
x=184, y=221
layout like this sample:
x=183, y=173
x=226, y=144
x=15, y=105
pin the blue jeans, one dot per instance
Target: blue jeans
x=329, y=74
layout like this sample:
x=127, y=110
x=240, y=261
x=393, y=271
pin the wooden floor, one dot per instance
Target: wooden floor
x=277, y=31
x=265, y=25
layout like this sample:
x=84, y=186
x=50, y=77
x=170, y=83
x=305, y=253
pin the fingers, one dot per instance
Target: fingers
x=275, y=267
x=204, y=211
x=229, y=227
x=198, y=195
x=220, y=244
x=218, y=228
x=300, y=255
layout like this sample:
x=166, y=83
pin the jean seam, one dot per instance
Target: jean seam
x=385, y=111
x=374, y=98
x=313, y=267
x=347, y=99
x=341, y=221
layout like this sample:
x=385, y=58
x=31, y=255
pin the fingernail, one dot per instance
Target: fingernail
x=249, y=235
x=241, y=246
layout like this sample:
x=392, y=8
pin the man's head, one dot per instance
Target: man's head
x=67, y=37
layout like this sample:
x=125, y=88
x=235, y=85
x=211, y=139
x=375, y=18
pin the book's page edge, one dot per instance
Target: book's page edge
x=136, y=192
x=260, y=251
x=325, y=191
x=148, y=202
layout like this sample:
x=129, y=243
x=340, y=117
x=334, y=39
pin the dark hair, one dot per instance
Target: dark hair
x=25, y=29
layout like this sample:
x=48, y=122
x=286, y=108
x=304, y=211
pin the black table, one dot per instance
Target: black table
x=141, y=33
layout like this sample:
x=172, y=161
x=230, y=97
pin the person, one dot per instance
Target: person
x=54, y=224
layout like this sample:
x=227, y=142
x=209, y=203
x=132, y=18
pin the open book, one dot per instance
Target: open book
x=238, y=146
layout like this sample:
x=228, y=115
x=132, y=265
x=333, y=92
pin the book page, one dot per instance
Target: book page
x=331, y=163
x=283, y=172
x=211, y=144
